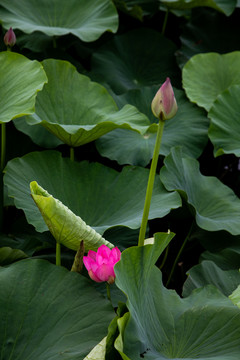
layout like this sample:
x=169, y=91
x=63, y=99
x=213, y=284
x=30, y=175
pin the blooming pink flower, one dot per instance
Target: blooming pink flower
x=100, y=264
x=10, y=38
x=164, y=105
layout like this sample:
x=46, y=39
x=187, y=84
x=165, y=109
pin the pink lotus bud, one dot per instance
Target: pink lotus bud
x=100, y=264
x=10, y=38
x=164, y=105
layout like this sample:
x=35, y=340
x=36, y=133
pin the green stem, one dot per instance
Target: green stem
x=164, y=259
x=165, y=22
x=3, y=145
x=71, y=153
x=3, y=160
x=58, y=254
x=108, y=292
x=179, y=254
x=150, y=183
x=1, y=201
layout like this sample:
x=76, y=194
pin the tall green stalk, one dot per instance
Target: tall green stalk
x=165, y=22
x=150, y=183
x=3, y=161
x=1, y=201
x=109, y=293
x=3, y=145
x=179, y=254
x=58, y=254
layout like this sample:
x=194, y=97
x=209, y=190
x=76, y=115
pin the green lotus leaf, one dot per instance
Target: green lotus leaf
x=98, y=352
x=101, y=196
x=132, y=10
x=128, y=147
x=77, y=110
x=214, y=240
x=25, y=238
x=49, y=311
x=225, y=6
x=209, y=273
x=201, y=79
x=137, y=8
x=235, y=297
x=123, y=62
x=18, y=91
x=226, y=259
x=37, y=133
x=111, y=352
x=215, y=204
x=160, y=325
x=8, y=255
x=224, y=129
x=67, y=228
x=122, y=236
x=216, y=34
x=87, y=20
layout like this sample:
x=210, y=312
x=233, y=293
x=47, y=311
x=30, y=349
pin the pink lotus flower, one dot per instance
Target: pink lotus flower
x=164, y=105
x=100, y=264
x=10, y=38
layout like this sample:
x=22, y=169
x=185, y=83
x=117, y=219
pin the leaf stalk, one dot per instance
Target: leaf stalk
x=150, y=183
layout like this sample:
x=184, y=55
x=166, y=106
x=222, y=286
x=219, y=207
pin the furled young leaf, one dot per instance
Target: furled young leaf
x=87, y=20
x=101, y=196
x=67, y=228
x=216, y=206
x=49, y=312
x=18, y=91
x=201, y=79
x=77, y=110
x=224, y=130
x=225, y=6
x=160, y=325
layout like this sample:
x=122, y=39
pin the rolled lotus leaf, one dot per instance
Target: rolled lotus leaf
x=67, y=228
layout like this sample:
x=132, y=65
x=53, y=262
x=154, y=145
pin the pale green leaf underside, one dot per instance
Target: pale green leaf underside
x=67, y=228
x=77, y=110
x=18, y=91
x=224, y=130
x=49, y=312
x=87, y=19
x=225, y=6
x=205, y=76
x=163, y=326
x=215, y=204
x=98, y=352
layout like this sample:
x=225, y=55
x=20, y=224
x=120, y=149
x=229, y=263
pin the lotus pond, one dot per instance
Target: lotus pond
x=120, y=180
